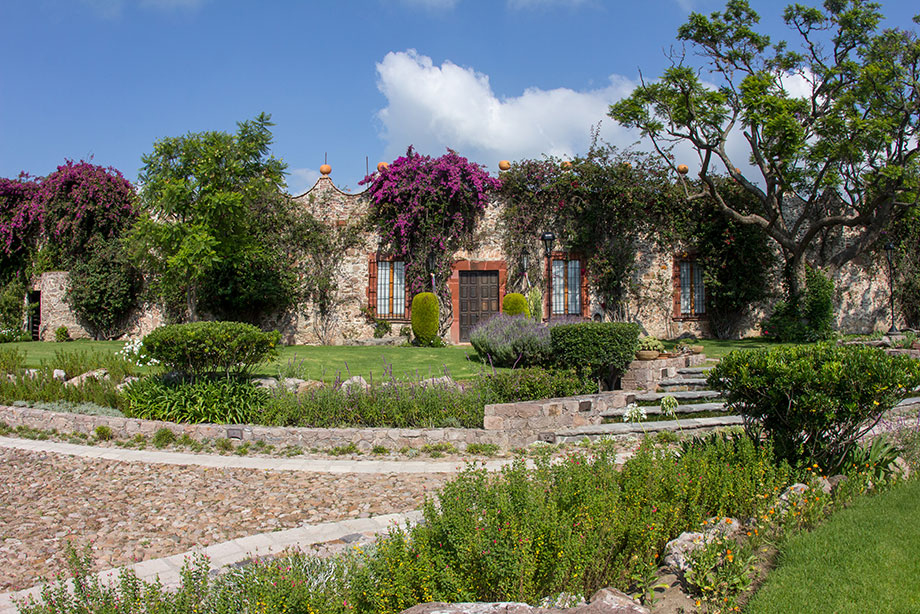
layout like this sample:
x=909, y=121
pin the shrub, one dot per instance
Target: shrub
x=200, y=348
x=532, y=384
x=650, y=343
x=382, y=328
x=223, y=401
x=61, y=334
x=425, y=318
x=14, y=334
x=103, y=433
x=595, y=349
x=814, y=402
x=810, y=319
x=11, y=360
x=506, y=340
x=535, y=303
x=514, y=304
x=163, y=437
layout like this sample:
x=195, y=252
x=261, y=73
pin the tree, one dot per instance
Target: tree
x=832, y=166
x=598, y=205
x=213, y=205
x=426, y=208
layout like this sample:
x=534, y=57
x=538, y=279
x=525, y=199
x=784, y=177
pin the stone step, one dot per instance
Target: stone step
x=655, y=410
x=680, y=395
x=598, y=431
x=683, y=381
x=694, y=370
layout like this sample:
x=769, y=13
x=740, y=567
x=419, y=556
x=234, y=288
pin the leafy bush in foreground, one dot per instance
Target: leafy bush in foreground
x=200, y=348
x=222, y=401
x=814, y=401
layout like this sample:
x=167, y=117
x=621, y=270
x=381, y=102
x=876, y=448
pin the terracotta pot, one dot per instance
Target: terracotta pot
x=696, y=349
x=647, y=354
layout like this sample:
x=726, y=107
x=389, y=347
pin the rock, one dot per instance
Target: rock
x=355, y=381
x=604, y=601
x=825, y=486
x=59, y=375
x=795, y=489
x=677, y=551
x=722, y=526
x=292, y=383
x=269, y=383
x=900, y=468
x=31, y=373
x=836, y=480
x=445, y=381
x=126, y=382
x=308, y=386
x=96, y=374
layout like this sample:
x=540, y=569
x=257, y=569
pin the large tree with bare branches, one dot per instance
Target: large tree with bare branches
x=831, y=124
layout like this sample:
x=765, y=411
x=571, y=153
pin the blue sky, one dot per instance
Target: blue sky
x=347, y=79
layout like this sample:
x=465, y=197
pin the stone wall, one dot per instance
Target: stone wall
x=645, y=374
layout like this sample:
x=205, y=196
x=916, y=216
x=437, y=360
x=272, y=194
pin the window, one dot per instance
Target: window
x=567, y=287
x=692, y=292
x=391, y=289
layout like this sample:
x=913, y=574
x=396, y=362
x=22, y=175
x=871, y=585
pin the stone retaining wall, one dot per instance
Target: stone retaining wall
x=364, y=439
x=533, y=420
x=645, y=374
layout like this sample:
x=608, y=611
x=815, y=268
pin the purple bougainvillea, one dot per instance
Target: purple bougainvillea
x=20, y=217
x=427, y=207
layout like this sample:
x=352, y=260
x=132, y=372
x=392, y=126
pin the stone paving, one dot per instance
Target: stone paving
x=135, y=511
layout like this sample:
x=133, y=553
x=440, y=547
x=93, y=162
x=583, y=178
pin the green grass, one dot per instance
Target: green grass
x=315, y=362
x=866, y=558
x=717, y=348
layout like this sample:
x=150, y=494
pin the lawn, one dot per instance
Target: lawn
x=313, y=362
x=866, y=558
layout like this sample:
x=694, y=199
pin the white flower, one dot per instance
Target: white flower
x=669, y=406
x=634, y=413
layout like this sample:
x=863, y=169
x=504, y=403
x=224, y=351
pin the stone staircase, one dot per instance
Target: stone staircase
x=688, y=386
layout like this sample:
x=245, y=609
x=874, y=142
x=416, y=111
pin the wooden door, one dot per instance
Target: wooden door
x=478, y=299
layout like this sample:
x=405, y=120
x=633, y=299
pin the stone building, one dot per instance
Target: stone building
x=668, y=297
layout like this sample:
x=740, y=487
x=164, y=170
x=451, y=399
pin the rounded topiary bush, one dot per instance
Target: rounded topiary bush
x=515, y=304
x=425, y=318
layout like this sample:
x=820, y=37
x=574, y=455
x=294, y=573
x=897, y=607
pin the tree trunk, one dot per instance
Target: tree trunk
x=794, y=277
x=191, y=303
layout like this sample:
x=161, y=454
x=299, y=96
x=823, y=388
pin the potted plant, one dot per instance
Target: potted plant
x=649, y=348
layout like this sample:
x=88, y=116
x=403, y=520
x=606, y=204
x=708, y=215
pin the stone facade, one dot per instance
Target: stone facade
x=861, y=288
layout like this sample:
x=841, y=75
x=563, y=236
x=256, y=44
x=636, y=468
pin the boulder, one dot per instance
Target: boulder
x=604, y=601
x=292, y=383
x=835, y=481
x=795, y=489
x=96, y=374
x=269, y=383
x=356, y=381
x=900, y=468
x=126, y=382
x=445, y=381
x=309, y=385
x=59, y=375
x=677, y=551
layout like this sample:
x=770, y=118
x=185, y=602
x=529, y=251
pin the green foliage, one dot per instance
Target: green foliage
x=424, y=317
x=11, y=307
x=61, y=334
x=214, y=212
x=393, y=406
x=505, y=340
x=650, y=343
x=736, y=259
x=720, y=571
x=595, y=349
x=598, y=205
x=534, y=383
x=12, y=360
x=199, y=348
x=103, y=433
x=103, y=289
x=77, y=362
x=858, y=105
x=535, y=303
x=515, y=304
x=482, y=449
x=163, y=437
x=876, y=459
x=222, y=401
x=808, y=318
x=382, y=328
x=42, y=387
x=814, y=402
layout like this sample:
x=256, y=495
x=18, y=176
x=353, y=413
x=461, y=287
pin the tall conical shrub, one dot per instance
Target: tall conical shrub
x=425, y=310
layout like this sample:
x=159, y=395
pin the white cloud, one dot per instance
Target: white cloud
x=434, y=107
x=301, y=179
